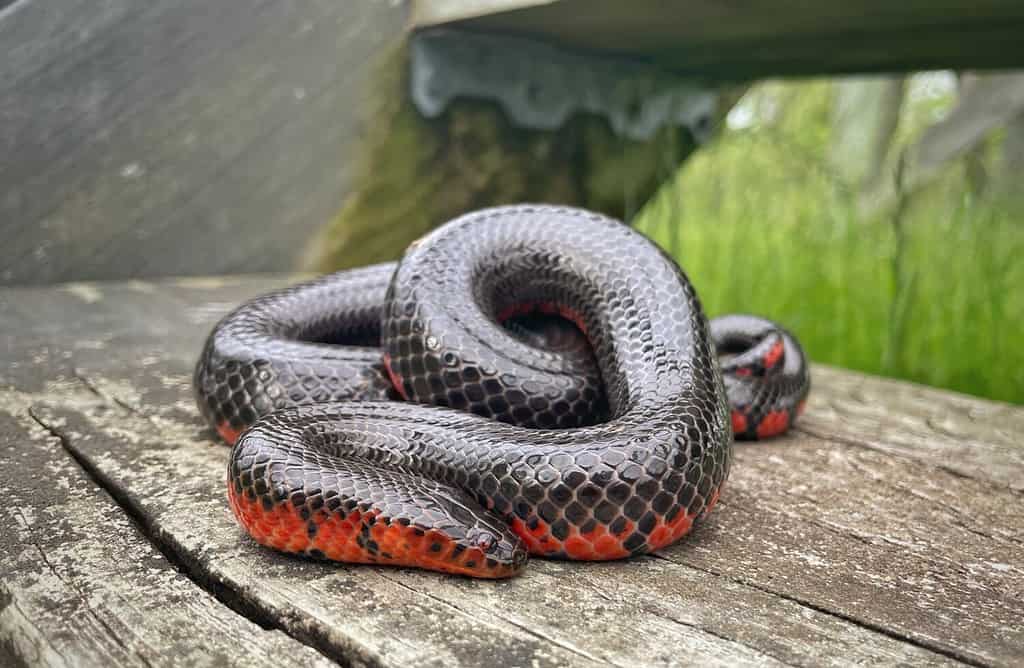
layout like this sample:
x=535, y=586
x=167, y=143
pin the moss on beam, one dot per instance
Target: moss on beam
x=413, y=174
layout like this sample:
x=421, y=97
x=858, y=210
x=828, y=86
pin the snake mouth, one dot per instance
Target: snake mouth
x=493, y=548
x=487, y=567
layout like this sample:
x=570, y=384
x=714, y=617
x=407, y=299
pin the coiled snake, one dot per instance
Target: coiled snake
x=520, y=432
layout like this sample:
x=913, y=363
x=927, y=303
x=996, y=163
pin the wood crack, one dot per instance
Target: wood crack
x=531, y=632
x=856, y=621
x=691, y=625
x=871, y=540
x=249, y=608
x=959, y=518
x=111, y=633
x=106, y=396
x=734, y=641
x=867, y=445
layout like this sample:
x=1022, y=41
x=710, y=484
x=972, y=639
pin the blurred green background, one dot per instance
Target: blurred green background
x=876, y=262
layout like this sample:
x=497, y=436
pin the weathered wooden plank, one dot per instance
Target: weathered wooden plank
x=943, y=429
x=867, y=537
x=352, y=615
x=177, y=120
x=81, y=585
x=824, y=551
x=557, y=614
x=761, y=38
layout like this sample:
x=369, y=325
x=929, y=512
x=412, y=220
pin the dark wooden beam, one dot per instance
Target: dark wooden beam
x=757, y=38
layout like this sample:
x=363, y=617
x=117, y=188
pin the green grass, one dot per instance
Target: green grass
x=759, y=226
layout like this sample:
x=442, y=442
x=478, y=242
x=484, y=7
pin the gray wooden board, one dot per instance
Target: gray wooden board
x=868, y=537
x=81, y=585
x=177, y=136
x=974, y=439
x=757, y=38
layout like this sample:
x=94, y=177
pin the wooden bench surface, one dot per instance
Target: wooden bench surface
x=888, y=529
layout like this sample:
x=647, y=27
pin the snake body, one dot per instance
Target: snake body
x=519, y=433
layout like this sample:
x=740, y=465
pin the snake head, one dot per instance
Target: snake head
x=493, y=552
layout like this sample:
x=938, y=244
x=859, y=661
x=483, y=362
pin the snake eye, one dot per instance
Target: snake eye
x=484, y=540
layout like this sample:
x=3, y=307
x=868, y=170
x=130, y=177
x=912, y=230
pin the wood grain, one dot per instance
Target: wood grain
x=81, y=585
x=950, y=431
x=830, y=548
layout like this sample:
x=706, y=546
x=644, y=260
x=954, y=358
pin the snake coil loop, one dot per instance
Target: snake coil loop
x=520, y=433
